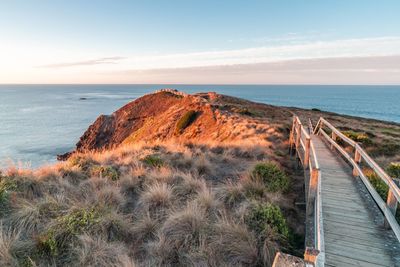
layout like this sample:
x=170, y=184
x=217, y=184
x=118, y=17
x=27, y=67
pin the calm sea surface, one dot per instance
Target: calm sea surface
x=37, y=122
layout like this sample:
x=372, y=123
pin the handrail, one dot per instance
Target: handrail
x=338, y=133
x=389, y=207
x=314, y=205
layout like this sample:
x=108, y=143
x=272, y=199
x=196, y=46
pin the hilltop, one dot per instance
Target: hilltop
x=202, y=117
x=171, y=179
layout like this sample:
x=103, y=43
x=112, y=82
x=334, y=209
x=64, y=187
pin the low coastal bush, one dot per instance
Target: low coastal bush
x=6, y=187
x=272, y=176
x=394, y=169
x=187, y=119
x=245, y=111
x=108, y=172
x=62, y=235
x=153, y=161
x=377, y=183
x=263, y=218
x=362, y=138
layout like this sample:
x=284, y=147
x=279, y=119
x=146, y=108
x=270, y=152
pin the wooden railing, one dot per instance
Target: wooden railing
x=301, y=143
x=387, y=207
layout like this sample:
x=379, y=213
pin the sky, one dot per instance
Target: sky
x=200, y=42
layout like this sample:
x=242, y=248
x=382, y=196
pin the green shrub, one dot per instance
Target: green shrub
x=59, y=236
x=245, y=111
x=153, y=160
x=358, y=137
x=80, y=220
x=47, y=244
x=377, y=183
x=264, y=217
x=6, y=187
x=272, y=176
x=187, y=119
x=108, y=172
x=394, y=169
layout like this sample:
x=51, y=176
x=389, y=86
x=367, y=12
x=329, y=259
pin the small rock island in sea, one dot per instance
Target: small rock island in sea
x=172, y=179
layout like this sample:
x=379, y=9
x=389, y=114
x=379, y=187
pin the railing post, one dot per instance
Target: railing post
x=312, y=190
x=319, y=125
x=307, y=153
x=298, y=127
x=391, y=203
x=311, y=256
x=334, y=135
x=291, y=136
x=357, y=159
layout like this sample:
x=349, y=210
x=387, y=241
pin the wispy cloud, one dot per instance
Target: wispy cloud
x=367, y=47
x=352, y=61
x=91, y=62
x=340, y=70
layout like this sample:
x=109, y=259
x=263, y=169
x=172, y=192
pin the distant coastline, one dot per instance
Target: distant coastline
x=53, y=117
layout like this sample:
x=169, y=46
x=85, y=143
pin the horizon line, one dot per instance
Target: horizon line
x=218, y=84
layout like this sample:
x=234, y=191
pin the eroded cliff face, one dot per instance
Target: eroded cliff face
x=154, y=117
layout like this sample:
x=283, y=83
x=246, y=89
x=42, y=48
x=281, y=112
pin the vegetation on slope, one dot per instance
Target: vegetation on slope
x=162, y=204
x=185, y=121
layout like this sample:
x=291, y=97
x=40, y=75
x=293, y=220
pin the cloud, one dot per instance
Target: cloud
x=352, y=61
x=341, y=70
x=98, y=61
x=383, y=46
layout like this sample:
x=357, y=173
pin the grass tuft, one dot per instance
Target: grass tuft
x=157, y=196
x=234, y=244
x=94, y=251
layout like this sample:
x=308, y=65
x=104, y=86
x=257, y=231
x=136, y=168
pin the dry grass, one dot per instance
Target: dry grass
x=189, y=211
x=8, y=242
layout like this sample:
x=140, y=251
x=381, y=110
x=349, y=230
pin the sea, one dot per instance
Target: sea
x=37, y=122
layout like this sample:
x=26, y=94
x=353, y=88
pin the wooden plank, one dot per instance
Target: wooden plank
x=347, y=219
x=332, y=236
x=350, y=223
x=346, y=209
x=376, y=243
x=342, y=261
x=351, y=229
x=363, y=255
x=337, y=197
x=362, y=246
x=337, y=212
x=341, y=203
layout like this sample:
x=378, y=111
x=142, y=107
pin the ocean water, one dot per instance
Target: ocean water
x=37, y=122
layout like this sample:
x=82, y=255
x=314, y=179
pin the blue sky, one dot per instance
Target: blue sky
x=159, y=41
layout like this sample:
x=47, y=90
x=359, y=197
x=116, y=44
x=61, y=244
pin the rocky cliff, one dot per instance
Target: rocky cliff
x=169, y=114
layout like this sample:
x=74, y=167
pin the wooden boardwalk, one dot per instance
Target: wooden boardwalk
x=353, y=229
